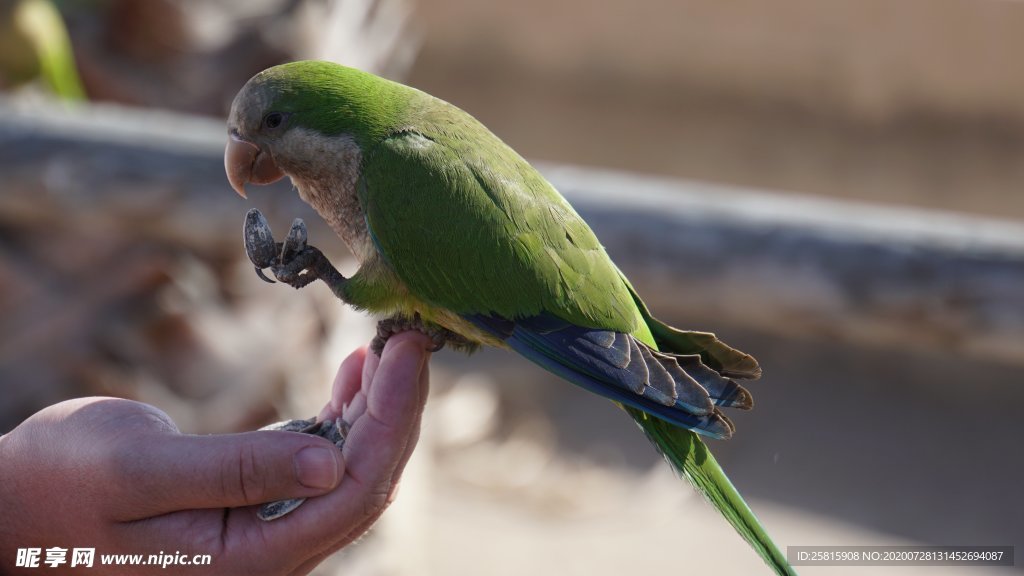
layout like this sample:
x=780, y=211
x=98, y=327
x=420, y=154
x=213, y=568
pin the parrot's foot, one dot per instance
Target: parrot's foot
x=333, y=430
x=292, y=262
x=440, y=336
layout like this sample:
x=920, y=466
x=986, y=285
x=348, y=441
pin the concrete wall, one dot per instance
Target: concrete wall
x=915, y=102
x=873, y=59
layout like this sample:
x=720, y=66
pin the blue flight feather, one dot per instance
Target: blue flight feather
x=570, y=352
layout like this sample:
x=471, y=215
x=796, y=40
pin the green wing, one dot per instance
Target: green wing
x=469, y=226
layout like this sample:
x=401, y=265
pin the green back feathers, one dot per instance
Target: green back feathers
x=470, y=227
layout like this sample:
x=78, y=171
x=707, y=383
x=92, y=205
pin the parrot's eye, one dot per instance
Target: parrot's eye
x=273, y=120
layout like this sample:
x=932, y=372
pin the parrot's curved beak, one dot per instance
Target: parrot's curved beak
x=244, y=162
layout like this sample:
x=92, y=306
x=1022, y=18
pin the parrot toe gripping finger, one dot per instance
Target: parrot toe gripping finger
x=334, y=430
x=390, y=326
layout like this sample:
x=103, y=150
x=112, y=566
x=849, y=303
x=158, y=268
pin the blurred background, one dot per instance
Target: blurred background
x=835, y=187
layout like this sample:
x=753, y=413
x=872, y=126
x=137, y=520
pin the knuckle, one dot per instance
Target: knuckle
x=115, y=466
x=244, y=474
x=379, y=497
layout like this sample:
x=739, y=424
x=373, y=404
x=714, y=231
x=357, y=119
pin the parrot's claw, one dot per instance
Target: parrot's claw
x=334, y=430
x=439, y=336
x=293, y=261
x=259, y=272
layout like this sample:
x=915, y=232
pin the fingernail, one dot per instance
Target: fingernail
x=317, y=467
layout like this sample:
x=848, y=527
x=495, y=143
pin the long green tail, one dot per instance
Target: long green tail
x=685, y=451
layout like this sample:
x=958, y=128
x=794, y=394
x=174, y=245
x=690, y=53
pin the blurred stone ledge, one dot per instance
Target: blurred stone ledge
x=802, y=266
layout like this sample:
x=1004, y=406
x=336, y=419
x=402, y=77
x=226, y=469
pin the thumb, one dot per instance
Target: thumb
x=182, y=472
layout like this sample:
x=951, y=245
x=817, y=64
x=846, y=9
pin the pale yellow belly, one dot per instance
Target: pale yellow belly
x=449, y=320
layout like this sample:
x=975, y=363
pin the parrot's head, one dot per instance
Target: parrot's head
x=285, y=118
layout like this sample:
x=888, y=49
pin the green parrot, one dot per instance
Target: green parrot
x=458, y=236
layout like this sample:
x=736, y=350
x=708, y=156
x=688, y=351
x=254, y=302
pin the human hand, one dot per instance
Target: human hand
x=117, y=476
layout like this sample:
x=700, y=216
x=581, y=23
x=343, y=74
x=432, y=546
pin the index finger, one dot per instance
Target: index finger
x=347, y=383
x=395, y=397
x=374, y=448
